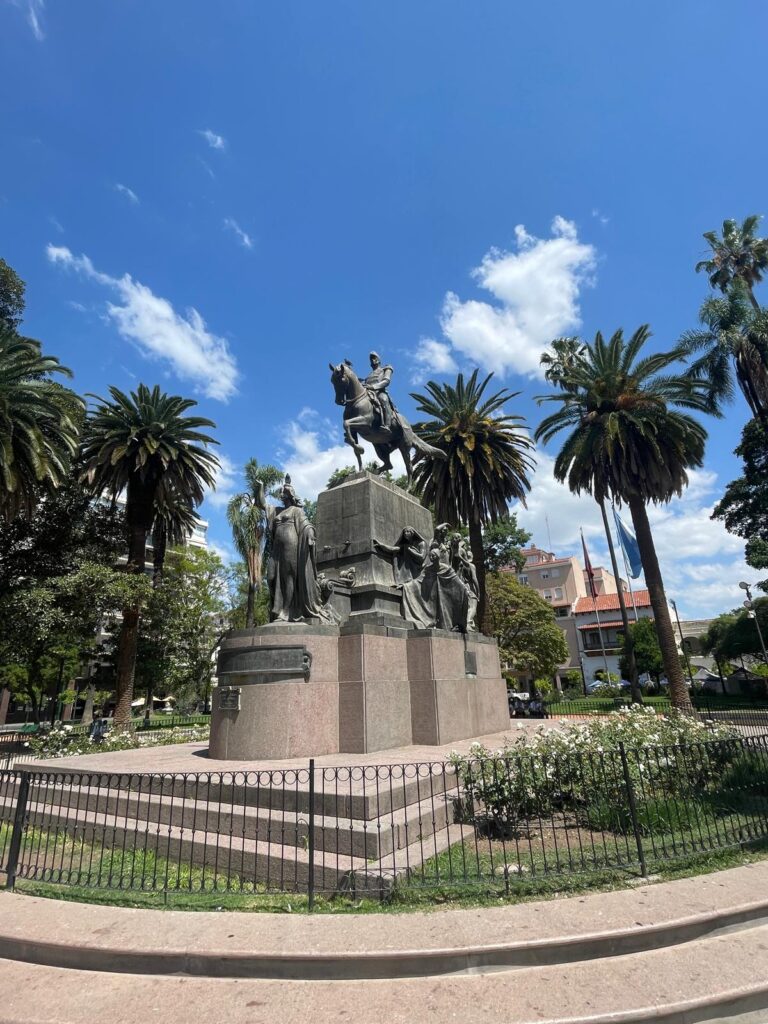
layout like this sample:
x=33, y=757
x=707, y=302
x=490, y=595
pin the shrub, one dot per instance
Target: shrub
x=63, y=741
x=668, y=756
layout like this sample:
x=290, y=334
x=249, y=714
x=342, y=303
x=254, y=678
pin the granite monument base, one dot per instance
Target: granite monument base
x=296, y=690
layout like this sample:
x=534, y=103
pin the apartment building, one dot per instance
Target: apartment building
x=564, y=584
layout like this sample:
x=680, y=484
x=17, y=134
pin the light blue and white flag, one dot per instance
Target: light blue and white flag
x=629, y=544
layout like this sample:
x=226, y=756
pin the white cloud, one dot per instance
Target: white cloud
x=433, y=357
x=159, y=332
x=224, y=550
x=34, y=10
x=313, y=453
x=701, y=563
x=536, y=289
x=214, y=141
x=55, y=222
x=129, y=194
x=244, y=238
x=227, y=482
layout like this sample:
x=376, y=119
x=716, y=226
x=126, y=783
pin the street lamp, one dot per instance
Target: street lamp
x=752, y=614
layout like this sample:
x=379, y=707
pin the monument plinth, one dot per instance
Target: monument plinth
x=360, y=676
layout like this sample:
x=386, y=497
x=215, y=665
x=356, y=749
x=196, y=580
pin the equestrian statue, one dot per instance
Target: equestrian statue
x=370, y=414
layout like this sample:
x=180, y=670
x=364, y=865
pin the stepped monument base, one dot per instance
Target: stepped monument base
x=372, y=681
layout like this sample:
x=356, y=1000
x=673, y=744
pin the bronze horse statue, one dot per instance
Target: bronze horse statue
x=362, y=420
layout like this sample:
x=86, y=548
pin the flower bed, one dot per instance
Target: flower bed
x=580, y=768
x=64, y=741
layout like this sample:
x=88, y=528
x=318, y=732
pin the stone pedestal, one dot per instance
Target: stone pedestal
x=349, y=517
x=374, y=682
x=300, y=691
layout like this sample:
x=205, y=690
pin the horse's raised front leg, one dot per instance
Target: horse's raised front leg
x=350, y=438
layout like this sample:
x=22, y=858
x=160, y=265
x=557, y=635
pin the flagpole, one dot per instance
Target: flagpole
x=591, y=579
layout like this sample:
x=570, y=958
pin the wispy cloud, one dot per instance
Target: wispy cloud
x=536, y=292
x=214, y=141
x=206, y=167
x=159, y=331
x=56, y=223
x=129, y=194
x=34, y=10
x=244, y=238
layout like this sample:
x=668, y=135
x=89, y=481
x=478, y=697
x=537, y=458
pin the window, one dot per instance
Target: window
x=558, y=593
x=545, y=575
x=555, y=573
x=547, y=595
x=562, y=611
x=522, y=578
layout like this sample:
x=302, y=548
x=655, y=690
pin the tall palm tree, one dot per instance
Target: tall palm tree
x=487, y=465
x=143, y=444
x=739, y=258
x=629, y=442
x=733, y=341
x=175, y=521
x=39, y=424
x=248, y=522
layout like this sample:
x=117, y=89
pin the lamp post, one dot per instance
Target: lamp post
x=682, y=645
x=749, y=605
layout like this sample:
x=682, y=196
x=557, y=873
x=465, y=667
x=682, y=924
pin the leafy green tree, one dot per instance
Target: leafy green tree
x=743, y=509
x=646, y=649
x=734, y=635
x=184, y=620
x=11, y=297
x=739, y=258
x=628, y=442
x=39, y=424
x=65, y=530
x=525, y=627
x=143, y=444
x=248, y=522
x=487, y=465
x=502, y=542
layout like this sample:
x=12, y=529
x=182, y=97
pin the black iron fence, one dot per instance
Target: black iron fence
x=493, y=823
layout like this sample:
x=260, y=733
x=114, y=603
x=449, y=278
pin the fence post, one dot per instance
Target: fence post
x=311, y=837
x=19, y=822
x=633, y=809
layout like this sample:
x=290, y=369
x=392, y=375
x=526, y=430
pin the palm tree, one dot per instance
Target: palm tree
x=487, y=462
x=175, y=521
x=738, y=258
x=39, y=424
x=628, y=442
x=248, y=522
x=143, y=444
x=732, y=342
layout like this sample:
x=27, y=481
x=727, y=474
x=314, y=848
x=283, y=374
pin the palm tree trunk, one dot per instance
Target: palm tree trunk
x=629, y=643
x=139, y=515
x=478, y=556
x=678, y=691
x=249, y=616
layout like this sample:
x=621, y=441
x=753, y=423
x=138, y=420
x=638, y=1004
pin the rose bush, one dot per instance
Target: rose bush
x=62, y=741
x=572, y=768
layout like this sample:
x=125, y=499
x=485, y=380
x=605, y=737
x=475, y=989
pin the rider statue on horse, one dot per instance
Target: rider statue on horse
x=370, y=414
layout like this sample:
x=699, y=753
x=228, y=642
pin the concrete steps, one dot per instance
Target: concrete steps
x=673, y=953
x=716, y=978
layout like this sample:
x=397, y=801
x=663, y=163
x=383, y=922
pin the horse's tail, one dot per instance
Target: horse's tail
x=421, y=445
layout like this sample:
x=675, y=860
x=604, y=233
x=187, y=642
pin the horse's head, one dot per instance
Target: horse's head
x=345, y=382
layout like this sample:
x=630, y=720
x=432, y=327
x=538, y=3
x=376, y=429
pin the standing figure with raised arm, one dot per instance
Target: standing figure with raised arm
x=294, y=589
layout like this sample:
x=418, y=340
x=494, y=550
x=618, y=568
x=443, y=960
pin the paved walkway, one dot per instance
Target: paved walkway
x=193, y=757
x=674, y=953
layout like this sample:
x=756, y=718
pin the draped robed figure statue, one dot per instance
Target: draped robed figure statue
x=294, y=588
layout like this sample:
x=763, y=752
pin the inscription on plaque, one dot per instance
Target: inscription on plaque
x=470, y=663
x=229, y=698
x=270, y=663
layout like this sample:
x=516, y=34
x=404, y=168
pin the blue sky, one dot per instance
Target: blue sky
x=224, y=198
